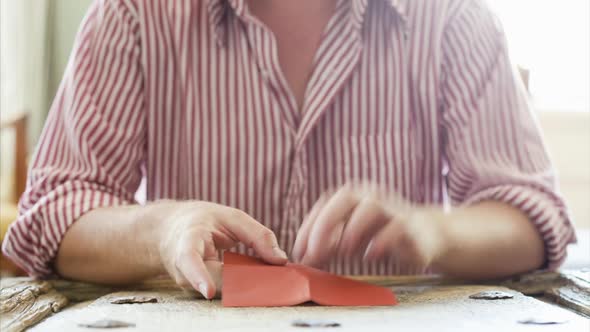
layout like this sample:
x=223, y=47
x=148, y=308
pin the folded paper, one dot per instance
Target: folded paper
x=249, y=282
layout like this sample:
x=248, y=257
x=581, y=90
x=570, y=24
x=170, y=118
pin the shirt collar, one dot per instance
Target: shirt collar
x=358, y=8
x=220, y=10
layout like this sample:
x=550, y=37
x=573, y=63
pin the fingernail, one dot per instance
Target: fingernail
x=279, y=253
x=369, y=252
x=203, y=289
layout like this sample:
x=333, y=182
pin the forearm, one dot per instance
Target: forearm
x=489, y=240
x=114, y=245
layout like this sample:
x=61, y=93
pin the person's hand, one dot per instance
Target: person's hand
x=361, y=220
x=192, y=233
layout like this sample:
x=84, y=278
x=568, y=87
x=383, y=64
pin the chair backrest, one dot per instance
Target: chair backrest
x=524, y=75
x=18, y=124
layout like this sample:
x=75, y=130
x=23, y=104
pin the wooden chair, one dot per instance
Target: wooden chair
x=16, y=123
x=524, y=75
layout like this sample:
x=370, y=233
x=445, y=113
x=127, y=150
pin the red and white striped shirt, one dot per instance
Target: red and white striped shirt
x=418, y=96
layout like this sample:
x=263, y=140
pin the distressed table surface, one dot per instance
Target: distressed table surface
x=426, y=304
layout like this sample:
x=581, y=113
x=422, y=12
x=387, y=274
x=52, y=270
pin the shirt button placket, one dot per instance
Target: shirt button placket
x=302, y=189
x=265, y=74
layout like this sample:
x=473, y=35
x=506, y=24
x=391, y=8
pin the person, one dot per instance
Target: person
x=363, y=137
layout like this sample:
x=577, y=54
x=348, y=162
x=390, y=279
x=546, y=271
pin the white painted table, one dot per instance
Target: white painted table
x=426, y=304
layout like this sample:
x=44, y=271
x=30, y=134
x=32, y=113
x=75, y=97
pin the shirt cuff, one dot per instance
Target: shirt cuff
x=32, y=241
x=545, y=210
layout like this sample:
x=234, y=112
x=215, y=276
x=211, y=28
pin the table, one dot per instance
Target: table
x=427, y=303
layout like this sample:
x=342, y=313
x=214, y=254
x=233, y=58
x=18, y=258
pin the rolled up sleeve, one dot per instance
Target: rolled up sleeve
x=91, y=150
x=493, y=145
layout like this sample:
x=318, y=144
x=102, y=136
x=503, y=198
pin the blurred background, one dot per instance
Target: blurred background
x=549, y=41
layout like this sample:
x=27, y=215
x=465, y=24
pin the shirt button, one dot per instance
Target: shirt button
x=264, y=73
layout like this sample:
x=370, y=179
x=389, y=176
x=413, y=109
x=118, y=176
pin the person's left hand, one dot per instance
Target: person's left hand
x=361, y=220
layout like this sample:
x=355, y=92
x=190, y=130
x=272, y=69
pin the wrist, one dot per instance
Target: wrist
x=446, y=222
x=150, y=231
x=436, y=240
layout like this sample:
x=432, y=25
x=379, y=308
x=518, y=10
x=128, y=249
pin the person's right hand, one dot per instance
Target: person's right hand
x=192, y=233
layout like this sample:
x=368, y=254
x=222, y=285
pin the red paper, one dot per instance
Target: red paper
x=249, y=282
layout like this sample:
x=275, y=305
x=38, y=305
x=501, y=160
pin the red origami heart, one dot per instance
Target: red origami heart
x=249, y=282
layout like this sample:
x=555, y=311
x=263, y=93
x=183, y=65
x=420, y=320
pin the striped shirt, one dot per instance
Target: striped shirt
x=418, y=96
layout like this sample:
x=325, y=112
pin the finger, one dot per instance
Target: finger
x=183, y=283
x=407, y=257
x=397, y=244
x=303, y=234
x=320, y=257
x=324, y=236
x=367, y=219
x=214, y=267
x=191, y=265
x=385, y=241
x=411, y=242
x=255, y=235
